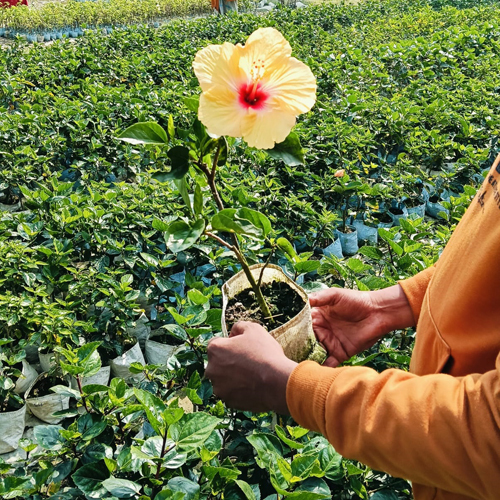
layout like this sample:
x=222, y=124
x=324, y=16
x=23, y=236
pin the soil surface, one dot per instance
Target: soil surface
x=283, y=301
x=382, y=217
x=42, y=387
x=397, y=211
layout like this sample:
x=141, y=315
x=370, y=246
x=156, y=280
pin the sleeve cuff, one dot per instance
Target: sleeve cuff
x=306, y=393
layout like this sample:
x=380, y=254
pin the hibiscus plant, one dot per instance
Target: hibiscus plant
x=253, y=92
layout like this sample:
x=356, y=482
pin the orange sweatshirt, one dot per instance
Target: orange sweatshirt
x=438, y=426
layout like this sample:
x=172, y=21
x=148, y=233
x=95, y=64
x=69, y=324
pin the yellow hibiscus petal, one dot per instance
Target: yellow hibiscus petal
x=263, y=130
x=220, y=113
x=292, y=86
x=218, y=65
x=265, y=46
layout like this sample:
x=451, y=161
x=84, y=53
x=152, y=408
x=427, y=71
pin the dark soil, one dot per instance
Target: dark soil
x=347, y=230
x=434, y=199
x=383, y=217
x=413, y=202
x=284, y=303
x=42, y=387
x=396, y=211
x=9, y=405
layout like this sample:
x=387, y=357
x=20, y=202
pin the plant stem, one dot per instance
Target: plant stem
x=79, y=382
x=246, y=269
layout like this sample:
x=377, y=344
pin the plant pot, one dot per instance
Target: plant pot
x=418, y=210
x=140, y=331
x=47, y=360
x=100, y=378
x=40, y=38
x=367, y=234
x=433, y=208
x=397, y=214
x=296, y=337
x=31, y=353
x=158, y=353
x=47, y=37
x=29, y=374
x=349, y=241
x=12, y=425
x=44, y=407
x=120, y=365
x=2, y=31
x=334, y=249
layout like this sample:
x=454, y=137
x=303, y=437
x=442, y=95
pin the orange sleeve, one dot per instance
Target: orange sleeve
x=415, y=288
x=435, y=430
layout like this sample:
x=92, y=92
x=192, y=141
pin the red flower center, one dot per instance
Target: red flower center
x=252, y=95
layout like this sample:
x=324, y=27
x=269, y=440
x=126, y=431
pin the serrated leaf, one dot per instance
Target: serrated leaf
x=192, y=430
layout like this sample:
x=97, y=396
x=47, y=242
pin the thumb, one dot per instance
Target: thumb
x=325, y=297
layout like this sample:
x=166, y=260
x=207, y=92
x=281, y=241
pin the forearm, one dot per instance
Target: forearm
x=434, y=430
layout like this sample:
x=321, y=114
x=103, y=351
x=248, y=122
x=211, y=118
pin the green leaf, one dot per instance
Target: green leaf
x=192, y=103
x=227, y=220
x=331, y=463
x=148, y=133
x=153, y=407
x=287, y=247
x=290, y=442
x=181, y=235
x=256, y=218
x=384, y=495
x=192, y=430
x=48, y=436
x=307, y=266
x=186, y=486
x=196, y=297
x=311, y=489
x=179, y=156
x=89, y=477
x=304, y=466
x=223, y=151
x=171, y=127
x=266, y=446
x=197, y=200
x=357, y=266
x=296, y=432
x=182, y=187
x=371, y=252
x=290, y=151
x=121, y=488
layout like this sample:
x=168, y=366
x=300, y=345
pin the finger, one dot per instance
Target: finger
x=331, y=362
x=244, y=326
x=325, y=297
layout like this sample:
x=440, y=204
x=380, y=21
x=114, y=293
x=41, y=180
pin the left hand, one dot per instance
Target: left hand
x=249, y=370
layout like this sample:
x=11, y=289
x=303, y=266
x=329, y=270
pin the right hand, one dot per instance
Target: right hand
x=348, y=322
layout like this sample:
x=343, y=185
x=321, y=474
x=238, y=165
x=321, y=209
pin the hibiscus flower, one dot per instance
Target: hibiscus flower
x=253, y=91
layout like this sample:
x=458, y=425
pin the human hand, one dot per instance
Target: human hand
x=348, y=322
x=249, y=370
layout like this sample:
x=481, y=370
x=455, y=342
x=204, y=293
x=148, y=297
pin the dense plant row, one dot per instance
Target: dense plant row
x=406, y=113
x=65, y=17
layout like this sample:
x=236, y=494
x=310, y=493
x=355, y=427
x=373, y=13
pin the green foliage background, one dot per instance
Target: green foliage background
x=407, y=96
